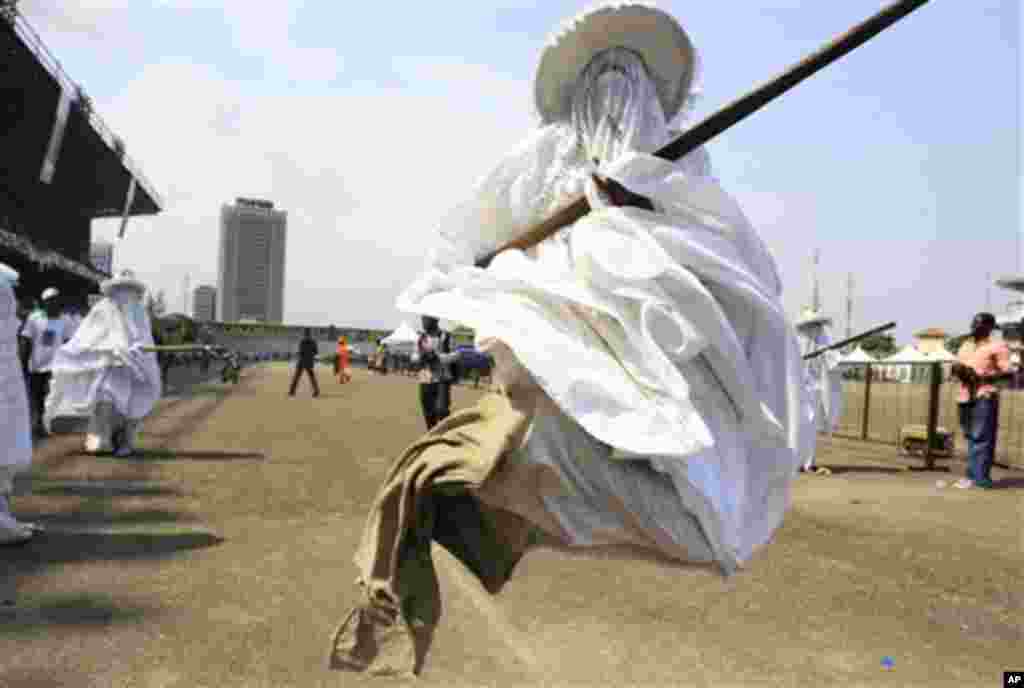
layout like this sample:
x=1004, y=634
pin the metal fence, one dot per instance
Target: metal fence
x=877, y=409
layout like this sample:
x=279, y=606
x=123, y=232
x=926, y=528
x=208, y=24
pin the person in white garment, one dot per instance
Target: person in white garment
x=104, y=374
x=15, y=429
x=44, y=333
x=651, y=379
x=822, y=388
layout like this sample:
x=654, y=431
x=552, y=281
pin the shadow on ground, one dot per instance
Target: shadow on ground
x=211, y=397
x=32, y=678
x=100, y=516
x=192, y=455
x=105, y=488
x=59, y=547
x=841, y=469
x=37, y=613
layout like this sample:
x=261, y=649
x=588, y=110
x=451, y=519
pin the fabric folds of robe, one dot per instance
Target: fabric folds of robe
x=657, y=332
x=104, y=362
x=15, y=428
x=427, y=497
x=822, y=394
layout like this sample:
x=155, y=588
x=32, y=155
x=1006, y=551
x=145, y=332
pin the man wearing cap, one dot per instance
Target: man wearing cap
x=104, y=374
x=650, y=376
x=15, y=430
x=822, y=388
x=44, y=333
x=983, y=361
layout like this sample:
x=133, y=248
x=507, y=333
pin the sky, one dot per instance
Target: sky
x=367, y=121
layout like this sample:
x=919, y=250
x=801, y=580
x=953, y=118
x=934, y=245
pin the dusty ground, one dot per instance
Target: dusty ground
x=221, y=558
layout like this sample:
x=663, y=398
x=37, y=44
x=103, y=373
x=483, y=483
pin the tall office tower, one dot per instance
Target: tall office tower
x=250, y=266
x=204, y=303
x=101, y=255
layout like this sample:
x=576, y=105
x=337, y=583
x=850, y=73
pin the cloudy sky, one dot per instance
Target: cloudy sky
x=366, y=121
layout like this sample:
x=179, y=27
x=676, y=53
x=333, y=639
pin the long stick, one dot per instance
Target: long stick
x=850, y=340
x=730, y=114
x=174, y=348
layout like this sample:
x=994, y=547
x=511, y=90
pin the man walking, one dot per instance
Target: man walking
x=434, y=354
x=45, y=333
x=307, y=361
x=983, y=361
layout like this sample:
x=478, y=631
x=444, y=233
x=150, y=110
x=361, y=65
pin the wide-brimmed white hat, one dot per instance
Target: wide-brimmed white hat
x=125, y=279
x=810, y=318
x=641, y=27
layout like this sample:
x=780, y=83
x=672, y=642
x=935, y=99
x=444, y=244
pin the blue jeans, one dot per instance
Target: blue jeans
x=979, y=421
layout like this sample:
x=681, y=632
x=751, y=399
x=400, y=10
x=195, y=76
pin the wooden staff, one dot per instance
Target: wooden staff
x=850, y=340
x=175, y=349
x=729, y=115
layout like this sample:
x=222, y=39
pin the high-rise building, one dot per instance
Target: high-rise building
x=101, y=255
x=250, y=271
x=204, y=303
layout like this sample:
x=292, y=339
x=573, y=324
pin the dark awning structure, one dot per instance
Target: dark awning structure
x=20, y=251
x=92, y=171
x=60, y=168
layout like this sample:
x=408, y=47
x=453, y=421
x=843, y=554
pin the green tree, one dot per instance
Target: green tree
x=879, y=345
x=953, y=343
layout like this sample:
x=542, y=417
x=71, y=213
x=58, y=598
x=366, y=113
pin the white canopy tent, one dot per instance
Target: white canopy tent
x=404, y=338
x=942, y=356
x=900, y=366
x=856, y=357
x=907, y=354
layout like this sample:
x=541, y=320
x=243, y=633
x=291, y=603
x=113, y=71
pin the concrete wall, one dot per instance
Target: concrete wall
x=279, y=345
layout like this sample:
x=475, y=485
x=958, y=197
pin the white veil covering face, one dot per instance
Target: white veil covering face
x=658, y=336
x=104, y=361
x=15, y=427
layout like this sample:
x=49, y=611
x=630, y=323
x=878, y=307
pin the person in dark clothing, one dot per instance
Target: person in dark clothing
x=308, y=351
x=435, y=358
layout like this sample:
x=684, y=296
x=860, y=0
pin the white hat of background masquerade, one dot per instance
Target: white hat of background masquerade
x=49, y=293
x=641, y=27
x=8, y=275
x=810, y=317
x=125, y=279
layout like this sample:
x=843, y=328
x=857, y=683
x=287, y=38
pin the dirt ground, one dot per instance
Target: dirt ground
x=221, y=557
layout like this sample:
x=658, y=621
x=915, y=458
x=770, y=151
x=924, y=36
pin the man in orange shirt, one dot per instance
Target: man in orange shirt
x=983, y=361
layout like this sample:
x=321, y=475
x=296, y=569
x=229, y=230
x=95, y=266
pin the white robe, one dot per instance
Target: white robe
x=822, y=393
x=15, y=429
x=104, y=363
x=659, y=338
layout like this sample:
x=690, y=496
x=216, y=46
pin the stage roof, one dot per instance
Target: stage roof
x=92, y=172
